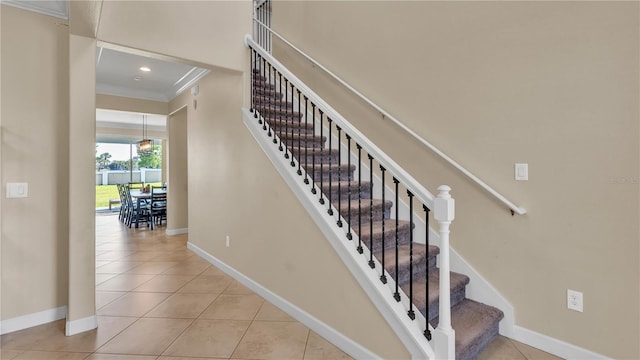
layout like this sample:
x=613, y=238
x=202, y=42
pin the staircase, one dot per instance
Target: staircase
x=475, y=324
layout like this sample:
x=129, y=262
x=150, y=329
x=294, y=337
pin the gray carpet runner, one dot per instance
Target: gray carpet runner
x=475, y=324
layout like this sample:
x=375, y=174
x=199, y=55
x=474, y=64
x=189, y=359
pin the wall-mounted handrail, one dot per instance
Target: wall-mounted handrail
x=515, y=209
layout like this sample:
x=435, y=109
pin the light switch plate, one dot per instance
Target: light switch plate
x=17, y=190
x=522, y=171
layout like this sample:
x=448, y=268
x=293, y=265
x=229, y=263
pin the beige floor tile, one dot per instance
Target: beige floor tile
x=165, y=283
x=270, y=312
x=9, y=354
x=185, y=358
x=207, y=284
x=87, y=341
x=121, y=357
x=102, y=263
x=28, y=339
x=182, y=306
x=152, y=267
x=124, y=282
x=176, y=256
x=133, y=304
x=501, y=348
x=146, y=336
x=235, y=288
x=187, y=268
x=209, y=338
x=212, y=271
x=233, y=307
x=272, y=340
x=532, y=353
x=105, y=297
x=117, y=267
x=51, y=355
x=100, y=278
x=320, y=349
x=114, y=255
x=142, y=255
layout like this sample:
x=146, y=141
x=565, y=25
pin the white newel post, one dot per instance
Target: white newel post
x=444, y=213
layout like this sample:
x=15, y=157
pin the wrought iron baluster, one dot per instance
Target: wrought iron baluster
x=396, y=295
x=265, y=87
x=279, y=119
x=313, y=154
x=331, y=169
x=371, y=263
x=349, y=235
x=339, y=223
x=427, y=332
x=411, y=313
x=292, y=116
x=383, y=277
x=306, y=148
x=284, y=117
x=360, y=250
x=266, y=124
x=321, y=162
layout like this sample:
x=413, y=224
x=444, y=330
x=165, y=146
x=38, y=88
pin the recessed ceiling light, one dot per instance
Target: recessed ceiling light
x=145, y=69
x=137, y=78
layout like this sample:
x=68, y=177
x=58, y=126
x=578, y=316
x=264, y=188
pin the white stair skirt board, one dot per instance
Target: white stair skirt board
x=344, y=343
x=554, y=346
x=81, y=325
x=172, y=232
x=409, y=332
x=30, y=320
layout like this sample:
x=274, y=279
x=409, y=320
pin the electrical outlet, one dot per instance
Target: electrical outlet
x=228, y=240
x=574, y=300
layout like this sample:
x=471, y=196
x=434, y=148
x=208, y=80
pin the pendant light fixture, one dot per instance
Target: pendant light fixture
x=144, y=145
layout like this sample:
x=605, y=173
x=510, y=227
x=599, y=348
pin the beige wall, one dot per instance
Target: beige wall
x=111, y=102
x=552, y=84
x=209, y=32
x=82, y=265
x=234, y=190
x=178, y=190
x=35, y=134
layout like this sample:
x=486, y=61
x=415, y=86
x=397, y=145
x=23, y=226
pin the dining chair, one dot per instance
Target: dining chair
x=158, y=205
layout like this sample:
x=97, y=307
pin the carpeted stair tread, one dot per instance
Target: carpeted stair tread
x=420, y=257
x=348, y=189
x=476, y=325
x=285, y=125
x=330, y=171
x=389, y=227
x=457, y=288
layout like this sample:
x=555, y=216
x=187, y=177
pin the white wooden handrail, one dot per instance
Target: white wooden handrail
x=515, y=209
x=420, y=192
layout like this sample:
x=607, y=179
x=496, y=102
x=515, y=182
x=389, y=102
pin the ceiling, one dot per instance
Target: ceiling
x=118, y=73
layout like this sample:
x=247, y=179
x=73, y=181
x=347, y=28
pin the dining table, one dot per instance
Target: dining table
x=139, y=195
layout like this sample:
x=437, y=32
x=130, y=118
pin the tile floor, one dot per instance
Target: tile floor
x=157, y=300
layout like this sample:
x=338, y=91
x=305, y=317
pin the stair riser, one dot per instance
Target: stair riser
x=317, y=159
x=272, y=102
x=326, y=175
x=365, y=217
x=270, y=92
x=289, y=126
x=308, y=143
x=283, y=114
x=345, y=193
x=456, y=297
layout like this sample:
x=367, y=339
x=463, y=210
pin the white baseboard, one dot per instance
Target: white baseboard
x=30, y=320
x=172, y=232
x=553, y=345
x=339, y=340
x=81, y=325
